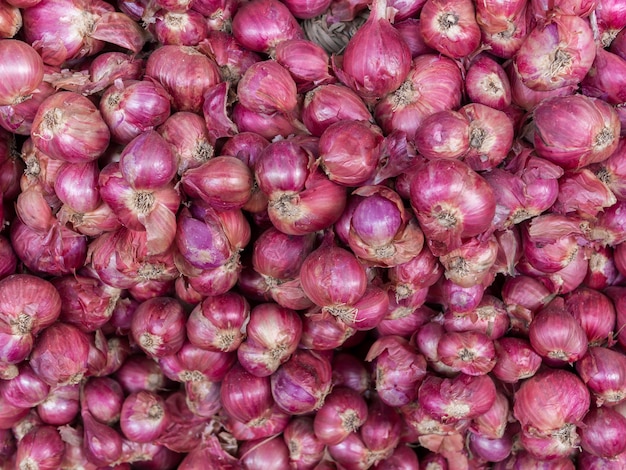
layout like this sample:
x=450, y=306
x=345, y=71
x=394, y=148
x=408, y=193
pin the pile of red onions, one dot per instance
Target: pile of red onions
x=312, y=234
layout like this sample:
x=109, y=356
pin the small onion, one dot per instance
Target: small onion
x=22, y=71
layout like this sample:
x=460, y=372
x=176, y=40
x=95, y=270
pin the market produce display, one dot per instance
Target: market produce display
x=312, y=234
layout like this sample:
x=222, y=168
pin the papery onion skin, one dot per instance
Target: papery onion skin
x=41, y=448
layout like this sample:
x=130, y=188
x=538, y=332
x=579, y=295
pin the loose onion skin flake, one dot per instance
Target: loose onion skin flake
x=313, y=234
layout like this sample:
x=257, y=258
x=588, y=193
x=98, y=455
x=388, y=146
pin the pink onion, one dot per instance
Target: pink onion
x=61, y=406
x=568, y=42
x=305, y=449
x=603, y=370
x=321, y=107
x=103, y=397
x=261, y=24
x=301, y=384
x=551, y=401
x=559, y=142
x=41, y=448
x=267, y=87
x=450, y=27
x=273, y=333
x=187, y=80
x=375, y=50
x=261, y=454
x=307, y=62
x=398, y=370
x=462, y=397
x=157, y=326
x=69, y=127
x=132, y=107
x=143, y=417
x=60, y=354
x=218, y=323
x=603, y=433
x=22, y=69
x=445, y=211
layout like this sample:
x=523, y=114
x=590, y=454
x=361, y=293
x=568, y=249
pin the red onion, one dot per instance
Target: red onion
x=603, y=432
x=143, y=417
x=223, y=182
x=246, y=397
x=279, y=256
x=102, y=444
x=187, y=80
x=69, y=127
x=444, y=135
x=22, y=69
x=611, y=18
x=559, y=142
x=550, y=402
x=381, y=430
x=207, y=452
x=157, y=326
x=135, y=267
x=603, y=370
x=462, y=397
x=349, y=151
x=515, y=360
x=568, y=41
x=186, y=132
x=9, y=414
x=593, y=462
x=267, y=87
x=301, y=384
x=261, y=24
x=275, y=423
x=273, y=334
x=490, y=136
x=191, y=363
x=18, y=118
x=606, y=77
x=10, y=20
x=61, y=406
x=307, y=62
x=60, y=354
x=376, y=50
x=305, y=449
x=232, y=58
x=470, y=352
x=103, y=397
x=611, y=171
x=219, y=323
x=28, y=304
x=324, y=333
x=398, y=369
x=344, y=411
x=26, y=390
x=301, y=198
x=433, y=84
x=321, y=107
x=264, y=453
x=486, y=83
x=450, y=27
x=180, y=28
x=42, y=448
x=492, y=450
x=88, y=303
x=471, y=263
x=132, y=107
x=595, y=313
x=81, y=197
x=524, y=460
x=446, y=211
